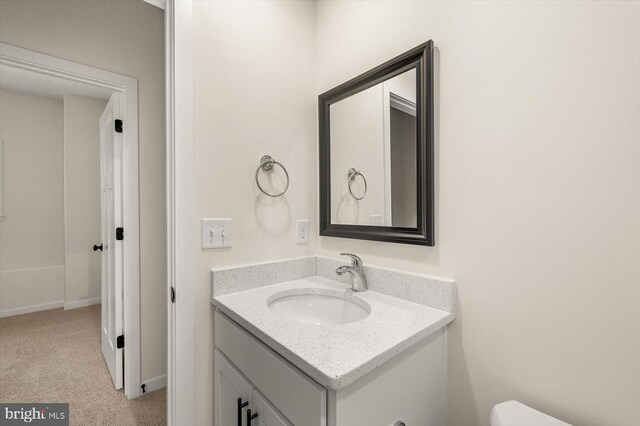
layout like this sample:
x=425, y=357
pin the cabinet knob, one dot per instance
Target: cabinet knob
x=241, y=405
x=250, y=417
x=97, y=247
x=399, y=423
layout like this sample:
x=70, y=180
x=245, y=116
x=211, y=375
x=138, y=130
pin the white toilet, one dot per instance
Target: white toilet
x=514, y=413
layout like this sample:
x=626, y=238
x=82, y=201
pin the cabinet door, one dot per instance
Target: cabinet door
x=230, y=385
x=268, y=415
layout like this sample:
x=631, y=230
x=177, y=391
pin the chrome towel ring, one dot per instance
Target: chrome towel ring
x=352, y=175
x=266, y=164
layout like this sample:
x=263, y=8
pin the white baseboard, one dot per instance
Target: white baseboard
x=82, y=303
x=31, y=289
x=31, y=308
x=155, y=384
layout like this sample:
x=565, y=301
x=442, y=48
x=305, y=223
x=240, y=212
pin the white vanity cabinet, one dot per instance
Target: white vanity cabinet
x=409, y=388
x=235, y=395
x=275, y=389
x=268, y=415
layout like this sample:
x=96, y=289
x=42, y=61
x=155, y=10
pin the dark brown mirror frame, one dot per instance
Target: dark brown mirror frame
x=420, y=58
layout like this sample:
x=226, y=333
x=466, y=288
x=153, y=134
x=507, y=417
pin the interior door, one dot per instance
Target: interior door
x=112, y=253
x=232, y=393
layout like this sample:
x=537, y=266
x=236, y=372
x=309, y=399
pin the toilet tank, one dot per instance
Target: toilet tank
x=514, y=413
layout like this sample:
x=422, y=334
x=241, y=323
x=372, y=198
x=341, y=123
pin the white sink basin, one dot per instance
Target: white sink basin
x=319, y=306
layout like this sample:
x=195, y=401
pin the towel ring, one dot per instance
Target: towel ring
x=352, y=175
x=266, y=164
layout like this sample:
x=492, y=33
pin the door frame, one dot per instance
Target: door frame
x=180, y=186
x=128, y=87
x=393, y=96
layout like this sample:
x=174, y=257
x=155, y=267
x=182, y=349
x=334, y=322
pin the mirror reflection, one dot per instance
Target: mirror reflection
x=374, y=155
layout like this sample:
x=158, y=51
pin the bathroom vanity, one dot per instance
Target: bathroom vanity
x=303, y=341
x=295, y=345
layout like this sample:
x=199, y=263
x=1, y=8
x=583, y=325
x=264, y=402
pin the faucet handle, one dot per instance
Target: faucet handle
x=356, y=262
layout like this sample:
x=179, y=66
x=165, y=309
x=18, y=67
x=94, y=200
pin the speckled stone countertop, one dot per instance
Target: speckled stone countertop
x=334, y=355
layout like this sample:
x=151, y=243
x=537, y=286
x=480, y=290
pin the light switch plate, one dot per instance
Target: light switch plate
x=303, y=231
x=216, y=233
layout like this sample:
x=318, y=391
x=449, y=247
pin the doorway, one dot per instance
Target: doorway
x=66, y=210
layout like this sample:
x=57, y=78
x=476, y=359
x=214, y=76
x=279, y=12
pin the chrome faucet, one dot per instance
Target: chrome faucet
x=358, y=282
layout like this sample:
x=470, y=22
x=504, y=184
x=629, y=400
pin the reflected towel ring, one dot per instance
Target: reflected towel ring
x=352, y=175
x=266, y=164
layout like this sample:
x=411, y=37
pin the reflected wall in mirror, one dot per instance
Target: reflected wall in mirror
x=376, y=145
x=374, y=134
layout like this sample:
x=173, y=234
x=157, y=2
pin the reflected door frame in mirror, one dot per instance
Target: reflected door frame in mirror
x=419, y=58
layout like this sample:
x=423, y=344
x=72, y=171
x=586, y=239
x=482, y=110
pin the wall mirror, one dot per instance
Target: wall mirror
x=376, y=153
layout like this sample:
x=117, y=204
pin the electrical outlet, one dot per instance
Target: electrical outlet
x=216, y=233
x=375, y=220
x=303, y=231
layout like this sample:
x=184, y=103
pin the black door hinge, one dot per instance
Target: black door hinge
x=118, y=126
x=173, y=295
x=120, y=234
x=120, y=342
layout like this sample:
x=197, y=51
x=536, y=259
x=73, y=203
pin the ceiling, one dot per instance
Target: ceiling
x=34, y=83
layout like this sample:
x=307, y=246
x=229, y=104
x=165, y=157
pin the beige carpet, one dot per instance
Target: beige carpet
x=54, y=356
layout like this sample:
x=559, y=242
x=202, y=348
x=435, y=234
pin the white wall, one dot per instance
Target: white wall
x=82, y=199
x=125, y=37
x=254, y=95
x=538, y=193
x=32, y=233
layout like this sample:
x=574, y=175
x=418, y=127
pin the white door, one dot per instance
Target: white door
x=112, y=252
x=232, y=393
x=268, y=415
